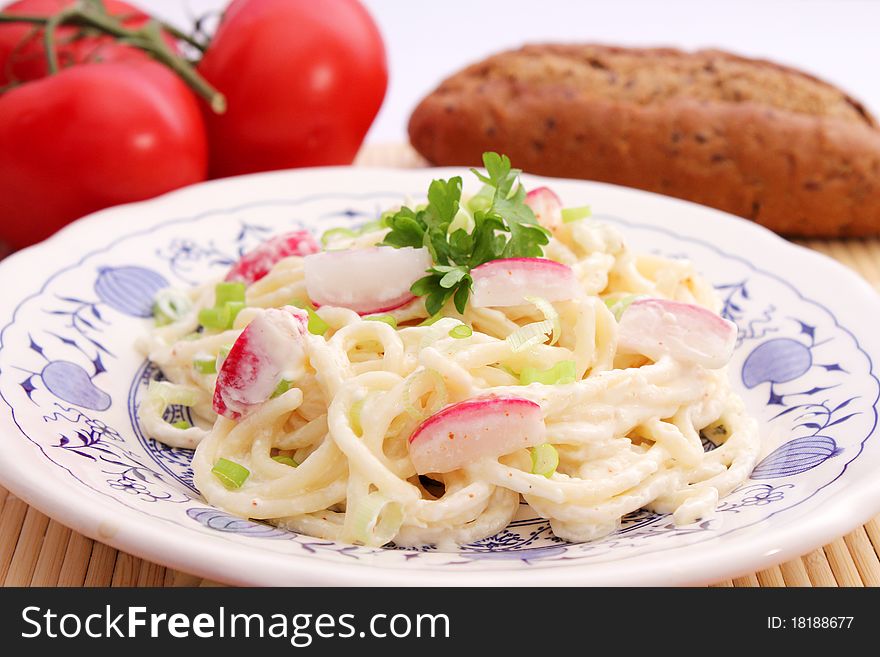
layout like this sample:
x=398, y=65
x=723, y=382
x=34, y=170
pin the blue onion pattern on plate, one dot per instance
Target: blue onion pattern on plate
x=224, y=522
x=796, y=456
x=129, y=290
x=71, y=383
x=776, y=361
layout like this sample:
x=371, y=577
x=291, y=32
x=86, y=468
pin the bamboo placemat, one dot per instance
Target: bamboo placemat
x=37, y=551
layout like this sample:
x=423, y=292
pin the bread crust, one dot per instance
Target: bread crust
x=750, y=137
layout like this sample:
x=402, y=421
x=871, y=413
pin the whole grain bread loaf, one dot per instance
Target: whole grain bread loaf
x=751, y=137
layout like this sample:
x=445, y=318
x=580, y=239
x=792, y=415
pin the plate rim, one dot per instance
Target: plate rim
x=861, y=494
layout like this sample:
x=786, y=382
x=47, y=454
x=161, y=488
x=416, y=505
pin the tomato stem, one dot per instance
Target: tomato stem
x=152, y=33
x=180, y=35
x=91, y=14
x=49, y=37
x=22, y=18
x=176, y=32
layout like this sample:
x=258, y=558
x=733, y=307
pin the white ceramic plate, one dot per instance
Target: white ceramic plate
x=70, y=381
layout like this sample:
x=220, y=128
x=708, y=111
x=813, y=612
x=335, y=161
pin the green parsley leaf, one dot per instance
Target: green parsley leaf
x=406, y=230
x=461, y=297
x=501, y=176
x=503, y=226
x=461, y=241
x=451, y=277
x=423, y=286
x=443, y=199
x=438, y=297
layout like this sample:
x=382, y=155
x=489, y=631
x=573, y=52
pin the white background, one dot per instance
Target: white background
x=426, y=40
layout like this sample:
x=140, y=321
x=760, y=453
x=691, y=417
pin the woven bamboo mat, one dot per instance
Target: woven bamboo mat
x=37, y=551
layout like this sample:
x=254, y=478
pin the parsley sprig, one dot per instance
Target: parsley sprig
x=507, y=228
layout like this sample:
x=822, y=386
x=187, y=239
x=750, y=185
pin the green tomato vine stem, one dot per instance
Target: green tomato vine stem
x=91, y=14
x=49, y=33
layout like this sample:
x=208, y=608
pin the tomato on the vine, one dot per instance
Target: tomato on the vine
x=22, y=50
x=303, y=79
x=92, y=136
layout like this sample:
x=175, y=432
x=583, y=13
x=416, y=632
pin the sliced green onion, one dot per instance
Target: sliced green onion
x=316, y=325
x=562, y=372
x=231, y=474
x=385, y=319
x=229, y=301
x=575, y=214
x=161, y=318
x=283, y=459
x=371, y=226
x=349, y=233
x=333, y=233
x=226, y=292
x=170, y=306
x=461, y=332
x=183, y=424
x=220, y=317
x=171, y=393
x=529, y=335
x=375, y=520
x=619, y=305
x=215, y=318
x=438, y=388
x=354, y=417
x=205, y=365
x=430, y=321
x=545, y=460
x=505, y=368
x=282, y=387
x=550, y=315
x=233, y=307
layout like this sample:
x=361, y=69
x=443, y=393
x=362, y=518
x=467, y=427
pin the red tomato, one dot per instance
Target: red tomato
x=303, y=80
x=90, y=137
x=23, y=57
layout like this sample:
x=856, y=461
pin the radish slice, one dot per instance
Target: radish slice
x=269, y=350
x=547, y=207
x=507, y=282
x=656, y=327
x=259, y=262
x=474, y=429
x=372, y=280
